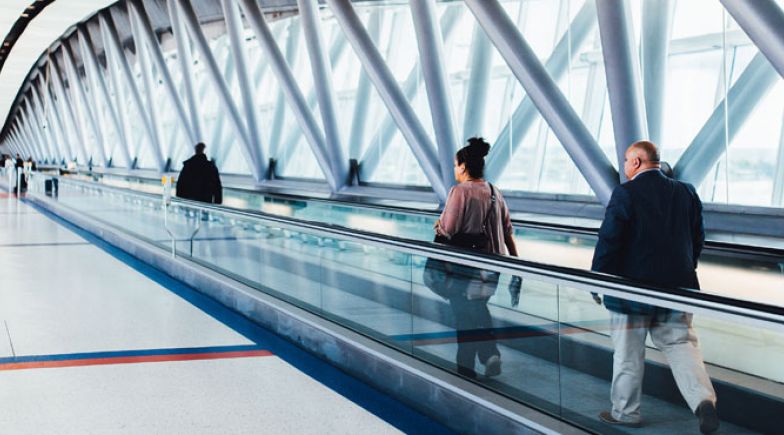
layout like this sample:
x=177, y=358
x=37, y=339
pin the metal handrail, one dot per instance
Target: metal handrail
x=673, y=298
x=711, y=246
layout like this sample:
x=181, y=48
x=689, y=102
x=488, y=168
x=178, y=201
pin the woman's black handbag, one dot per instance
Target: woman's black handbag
x=450, y=280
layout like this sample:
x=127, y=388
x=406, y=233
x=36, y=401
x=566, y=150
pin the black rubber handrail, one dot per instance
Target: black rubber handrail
x=770, y=254
x=601, y=283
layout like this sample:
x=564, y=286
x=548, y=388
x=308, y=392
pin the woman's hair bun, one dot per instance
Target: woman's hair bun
x=478, y=147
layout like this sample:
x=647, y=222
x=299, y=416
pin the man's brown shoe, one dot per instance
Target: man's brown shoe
x=709, y=419
x=607, y=417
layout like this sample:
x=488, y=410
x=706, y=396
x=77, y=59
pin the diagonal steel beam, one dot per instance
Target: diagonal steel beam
x=321, y=69
x=359, y=122
x=235, y=29
x=710, y=143
x=67, y=107
x=778, y=176
x=30, y=133
x=46, y=127
x=622, y=67
x=33, y=132
x=185, y=56
x=93, y=70
x=481, y=58
x=191, y=21
x=278, y=117
x=335, y=54
x=20, y=143
x=37, y=129
x=511, y=136
x=554, y=107
x=98, y=84
x=762, y=20
x=431, y=54
x=69, y=152
x=150, y=87
x=75, y=81
x=393, y=97
x=47, y=116
x=372, y=156
x=657, y=19
x=138, y=13
x=114, y=48
x=292, y=91
x=120, y=99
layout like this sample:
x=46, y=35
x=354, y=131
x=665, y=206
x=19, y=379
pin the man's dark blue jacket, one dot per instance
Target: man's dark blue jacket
x=652, y=232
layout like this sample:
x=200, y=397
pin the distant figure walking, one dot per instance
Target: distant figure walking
x=199, y=179
x=653, y=232
x=22, y=181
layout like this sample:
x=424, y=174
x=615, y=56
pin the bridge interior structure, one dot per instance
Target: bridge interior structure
x=300, y=304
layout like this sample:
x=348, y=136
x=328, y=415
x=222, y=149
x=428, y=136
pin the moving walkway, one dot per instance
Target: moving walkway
x=553, y=338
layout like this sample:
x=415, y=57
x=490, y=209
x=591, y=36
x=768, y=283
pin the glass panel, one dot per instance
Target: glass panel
x=538, y=339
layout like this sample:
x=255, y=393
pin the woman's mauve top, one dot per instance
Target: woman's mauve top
x=466, y=208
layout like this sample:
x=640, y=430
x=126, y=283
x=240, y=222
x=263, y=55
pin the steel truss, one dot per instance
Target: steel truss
x=79, y=99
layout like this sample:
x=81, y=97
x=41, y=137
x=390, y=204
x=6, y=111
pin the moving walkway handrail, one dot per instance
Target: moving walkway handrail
x=673, y=298
x=715, y=246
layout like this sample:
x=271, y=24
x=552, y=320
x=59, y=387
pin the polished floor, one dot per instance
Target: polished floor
x=92, y=341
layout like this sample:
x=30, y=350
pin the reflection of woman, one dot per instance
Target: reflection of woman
x=475, y=207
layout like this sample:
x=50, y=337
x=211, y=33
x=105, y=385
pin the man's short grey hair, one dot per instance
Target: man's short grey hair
x=648, y=149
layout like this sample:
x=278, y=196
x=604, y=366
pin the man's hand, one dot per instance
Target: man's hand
x=515, y=286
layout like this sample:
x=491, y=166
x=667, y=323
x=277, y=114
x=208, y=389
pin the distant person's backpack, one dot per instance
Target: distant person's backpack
x=450, y=280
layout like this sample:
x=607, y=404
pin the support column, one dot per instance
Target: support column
x=151, y=91
x=621, y=65
x=92, y=68
x=293, y=94
x=114, y=48
x=657, y=17
x=778, y=176
x=46, y=129
x=481, y=59
x=188, y=15
x=523, y=117
x=75, y=81
x=278, y=118
x=362, y=101
x=322, y=82
x=372, y=156
x=67, y=106
x=137, y=13
x=40, y=103
x=235, y=29
x=431, y=54
x=544, y=92
x=185, y=57
x=762, y=20
x=390, y=92
x=32, y=136
x=71, y=148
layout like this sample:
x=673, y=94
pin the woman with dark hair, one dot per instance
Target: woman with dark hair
x=476, y=211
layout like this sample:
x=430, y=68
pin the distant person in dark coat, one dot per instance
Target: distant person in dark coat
x=22, y=181
x=652, y=232
x=199, y=179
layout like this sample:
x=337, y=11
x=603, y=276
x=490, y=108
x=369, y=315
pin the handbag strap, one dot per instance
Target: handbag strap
x=492, y=206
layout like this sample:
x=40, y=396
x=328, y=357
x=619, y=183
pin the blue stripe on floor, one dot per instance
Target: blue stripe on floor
x=125, y=353
x=372, y=400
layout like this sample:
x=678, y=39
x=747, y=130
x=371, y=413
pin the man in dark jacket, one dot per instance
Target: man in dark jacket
x=199, y=179
x=652, y=232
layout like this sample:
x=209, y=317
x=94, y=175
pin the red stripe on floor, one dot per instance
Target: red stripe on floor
x=133, y=360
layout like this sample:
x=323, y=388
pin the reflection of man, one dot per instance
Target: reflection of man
x=199, y=179
x=652, y=232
